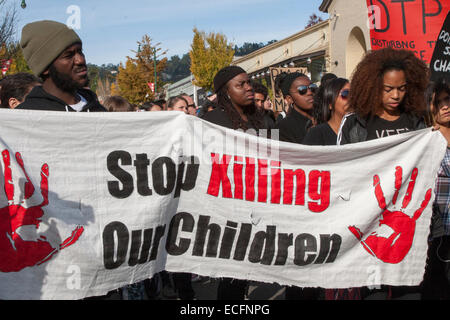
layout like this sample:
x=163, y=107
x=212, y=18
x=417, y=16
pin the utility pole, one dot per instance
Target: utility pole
x=154, y=67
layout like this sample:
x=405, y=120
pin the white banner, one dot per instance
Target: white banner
x=90, y=202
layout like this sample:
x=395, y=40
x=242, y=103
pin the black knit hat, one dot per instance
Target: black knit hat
x=226, y=74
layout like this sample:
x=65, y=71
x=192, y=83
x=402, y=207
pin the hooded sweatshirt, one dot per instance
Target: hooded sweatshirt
x=39, y=99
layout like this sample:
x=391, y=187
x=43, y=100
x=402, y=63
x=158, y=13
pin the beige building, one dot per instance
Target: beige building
x=335, y=45
x=307, y=48
x=349, y=34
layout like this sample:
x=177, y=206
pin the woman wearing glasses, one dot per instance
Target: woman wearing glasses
x=298, y=91
x=329, y=109
x=387, y=96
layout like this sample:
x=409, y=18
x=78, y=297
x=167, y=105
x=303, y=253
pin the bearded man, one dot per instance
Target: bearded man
x=54, y=52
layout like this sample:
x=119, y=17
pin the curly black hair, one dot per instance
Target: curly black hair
x=367, y=81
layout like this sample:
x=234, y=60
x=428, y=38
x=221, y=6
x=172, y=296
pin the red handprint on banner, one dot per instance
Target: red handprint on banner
x=15, y=252
x=394, y=248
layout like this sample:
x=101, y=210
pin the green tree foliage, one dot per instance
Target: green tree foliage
x=248, y=47
x=209, y=53
x=18, y=64
x=131, y=82
x=93, y=74
x=177, y=68
x=104, y=74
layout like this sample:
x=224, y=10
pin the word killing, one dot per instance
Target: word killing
x=282, y=182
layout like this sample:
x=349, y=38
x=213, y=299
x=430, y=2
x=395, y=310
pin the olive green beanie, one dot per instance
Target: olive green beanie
x=43, y=41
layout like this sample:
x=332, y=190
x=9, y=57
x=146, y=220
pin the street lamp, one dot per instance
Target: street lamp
x=23, y=4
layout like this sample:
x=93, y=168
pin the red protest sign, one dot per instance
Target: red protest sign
x=5, y=66
x=406, y=24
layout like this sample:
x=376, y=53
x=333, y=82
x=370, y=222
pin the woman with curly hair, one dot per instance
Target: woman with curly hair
x=330, y=106
x=387, y=96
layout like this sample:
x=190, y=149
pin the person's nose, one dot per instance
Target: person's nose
x=446, y=104
x=80, y=58
x=395, y=94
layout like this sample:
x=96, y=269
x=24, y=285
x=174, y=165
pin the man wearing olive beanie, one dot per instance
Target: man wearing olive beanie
x=54, y=53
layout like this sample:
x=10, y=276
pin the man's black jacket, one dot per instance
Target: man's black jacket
x=39, y=99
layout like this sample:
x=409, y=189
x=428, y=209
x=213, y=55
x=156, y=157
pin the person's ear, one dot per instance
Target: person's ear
x=13, y=102
x=289, y=100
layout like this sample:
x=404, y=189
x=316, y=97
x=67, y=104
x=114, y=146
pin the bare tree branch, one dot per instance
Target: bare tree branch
x=8, y=22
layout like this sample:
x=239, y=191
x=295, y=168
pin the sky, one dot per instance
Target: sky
x=110, y=29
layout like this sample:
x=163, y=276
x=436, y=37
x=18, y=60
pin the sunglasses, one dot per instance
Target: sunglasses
x=344, y=94
x=303, y=89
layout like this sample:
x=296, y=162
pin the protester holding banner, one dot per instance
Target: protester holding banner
x=436, y=284
x=298, y=92
x=331, y=106
x=387, y=96
x=54, y=53
x=236, y=110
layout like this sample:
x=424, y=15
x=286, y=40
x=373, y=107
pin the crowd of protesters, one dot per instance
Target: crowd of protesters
x=389, y=93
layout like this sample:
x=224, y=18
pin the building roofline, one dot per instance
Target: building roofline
x=282, y=42
x=325, y=5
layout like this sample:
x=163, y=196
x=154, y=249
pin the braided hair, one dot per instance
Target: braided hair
x=255, y=118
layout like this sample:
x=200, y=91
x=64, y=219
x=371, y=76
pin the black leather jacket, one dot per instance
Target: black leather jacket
x=354, y=128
